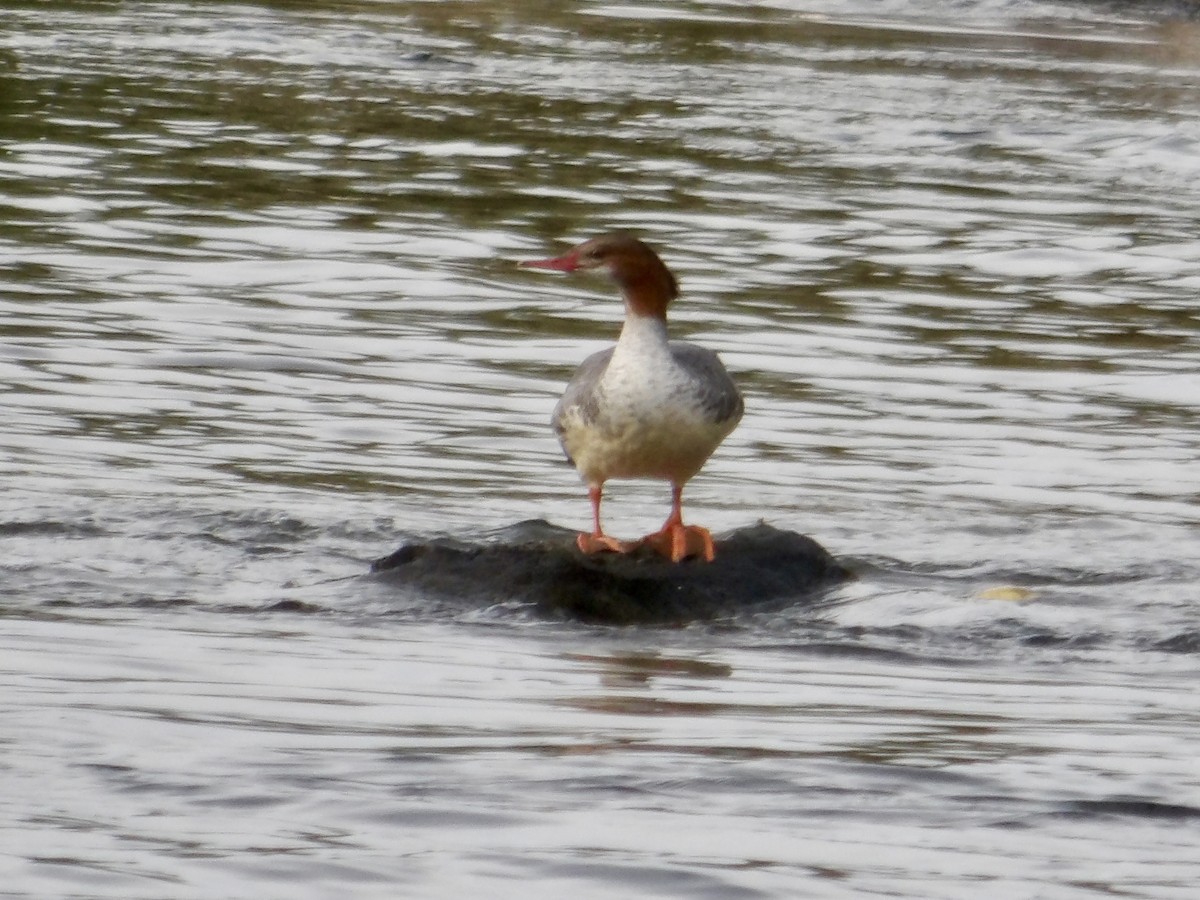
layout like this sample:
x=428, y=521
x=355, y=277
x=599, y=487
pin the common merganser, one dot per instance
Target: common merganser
x=647, y=407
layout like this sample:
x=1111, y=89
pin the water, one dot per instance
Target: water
x=261, y=320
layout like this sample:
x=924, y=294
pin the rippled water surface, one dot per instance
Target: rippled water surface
x=260, y=321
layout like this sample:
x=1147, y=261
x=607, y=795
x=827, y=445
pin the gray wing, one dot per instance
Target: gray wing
x=580, y=395
x=716, y=391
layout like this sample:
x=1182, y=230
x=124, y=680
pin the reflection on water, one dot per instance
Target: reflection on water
x=260, y=317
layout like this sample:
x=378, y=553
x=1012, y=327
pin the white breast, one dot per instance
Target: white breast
x=648, y=419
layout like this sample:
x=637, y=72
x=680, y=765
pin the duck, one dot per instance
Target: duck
x=647, y=407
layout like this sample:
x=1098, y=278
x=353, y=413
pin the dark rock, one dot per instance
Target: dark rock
x=755, y=568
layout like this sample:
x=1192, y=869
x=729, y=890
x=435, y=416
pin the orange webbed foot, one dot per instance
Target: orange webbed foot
x=601, y=543
x=677, y=542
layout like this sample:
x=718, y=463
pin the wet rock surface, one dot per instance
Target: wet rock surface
x=757, y=567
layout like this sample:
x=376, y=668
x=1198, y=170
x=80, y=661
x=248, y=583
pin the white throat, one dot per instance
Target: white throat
x=642, y=336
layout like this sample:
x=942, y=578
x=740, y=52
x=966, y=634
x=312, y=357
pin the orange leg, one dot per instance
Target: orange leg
x=677, y=541
x=598, y=541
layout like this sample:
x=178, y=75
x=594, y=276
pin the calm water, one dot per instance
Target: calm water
x=260, y=320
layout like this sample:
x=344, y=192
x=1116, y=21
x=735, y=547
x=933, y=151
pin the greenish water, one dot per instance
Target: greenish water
x=261, y=319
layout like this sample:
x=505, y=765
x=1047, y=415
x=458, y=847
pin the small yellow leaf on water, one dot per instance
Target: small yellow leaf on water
x=1005, y=592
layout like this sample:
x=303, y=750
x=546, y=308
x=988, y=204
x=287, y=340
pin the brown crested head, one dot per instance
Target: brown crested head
x=645, y=282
